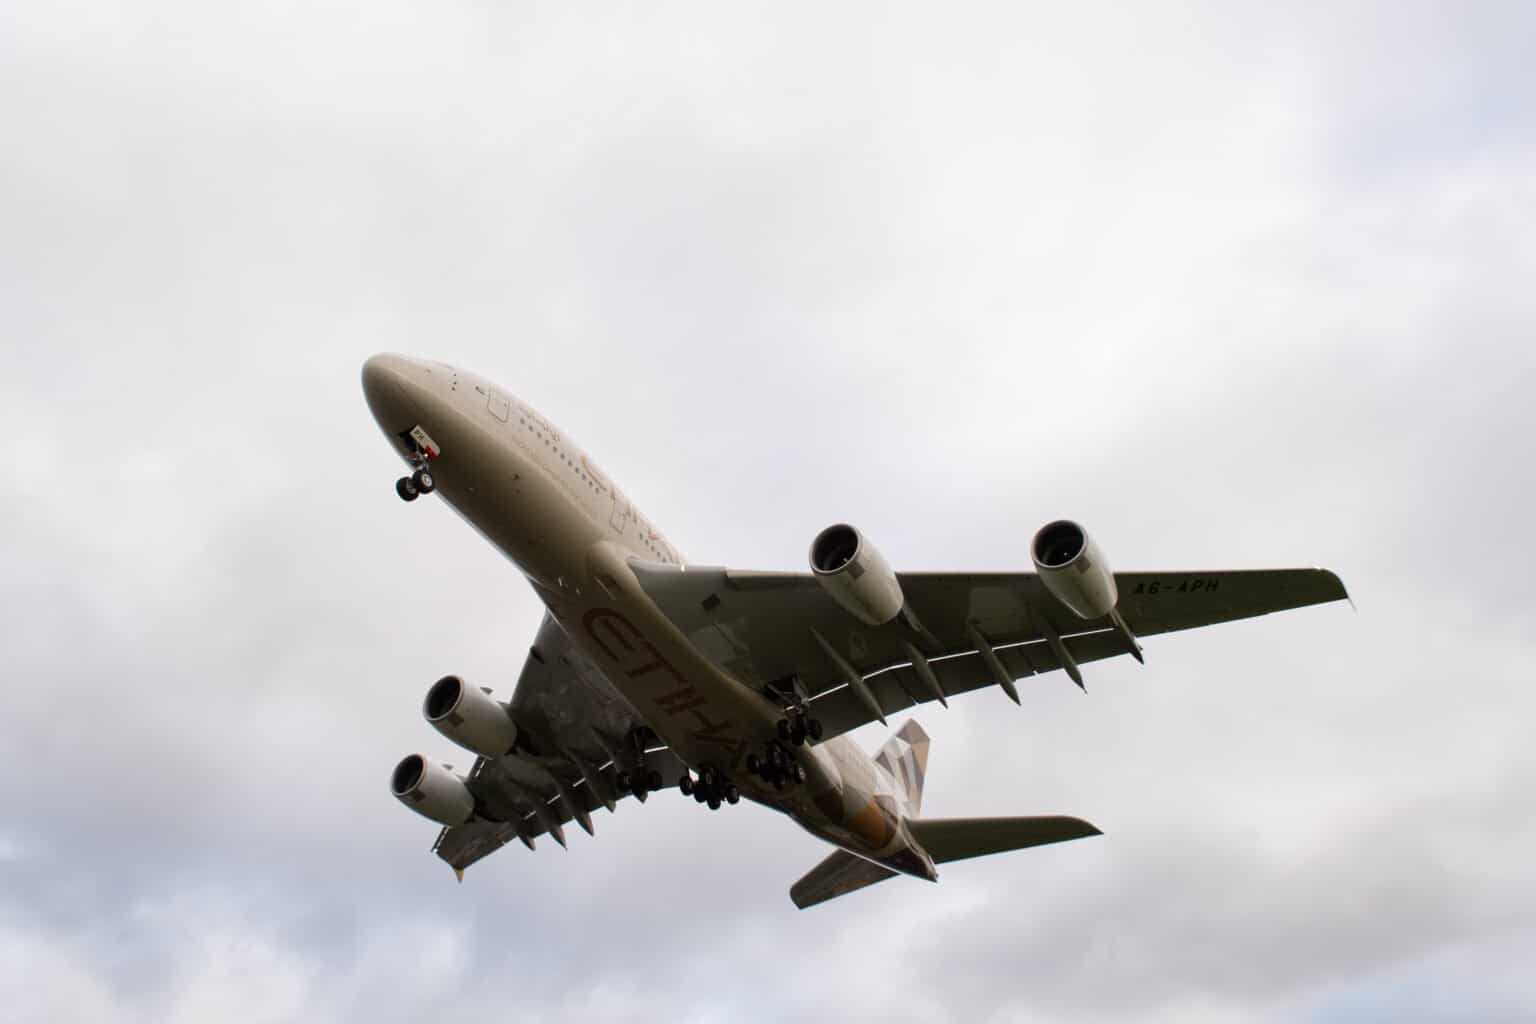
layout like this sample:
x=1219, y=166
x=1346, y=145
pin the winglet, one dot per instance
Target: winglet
x=1338, y=582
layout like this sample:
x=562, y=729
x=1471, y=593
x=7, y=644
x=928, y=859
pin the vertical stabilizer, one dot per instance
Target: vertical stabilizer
x=905, y=757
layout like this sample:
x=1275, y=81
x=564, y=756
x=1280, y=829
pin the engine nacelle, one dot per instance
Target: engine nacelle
x=432, y=791
x=856, y=575
x=470, y=717
x=1073, y=570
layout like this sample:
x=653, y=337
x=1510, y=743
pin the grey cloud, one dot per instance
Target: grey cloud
x=1233, y=286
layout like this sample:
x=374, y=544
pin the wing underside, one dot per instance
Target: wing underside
x=966, y=630
x=579, y=742
x=530, y=810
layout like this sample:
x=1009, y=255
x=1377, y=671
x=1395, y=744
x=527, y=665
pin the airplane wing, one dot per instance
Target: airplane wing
x=970, y=629
x=576, y=734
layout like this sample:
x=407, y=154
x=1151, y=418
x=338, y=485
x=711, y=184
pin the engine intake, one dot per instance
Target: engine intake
x=1073, y=570
x=432, y=790
x=470, y=717
x=856, y=575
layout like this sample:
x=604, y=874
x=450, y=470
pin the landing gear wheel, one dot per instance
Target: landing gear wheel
x=686, y=785
x=731, y=794
x=422, y=478
x=406, y=489
x=714, y=803
x=698, y=794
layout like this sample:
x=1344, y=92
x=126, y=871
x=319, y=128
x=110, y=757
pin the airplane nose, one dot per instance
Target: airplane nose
x=385, y=377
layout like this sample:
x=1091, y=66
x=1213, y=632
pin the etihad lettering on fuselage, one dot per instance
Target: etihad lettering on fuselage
x=637, y=657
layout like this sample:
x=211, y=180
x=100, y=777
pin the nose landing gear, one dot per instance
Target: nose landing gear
x=420, y=449
x=418, y=483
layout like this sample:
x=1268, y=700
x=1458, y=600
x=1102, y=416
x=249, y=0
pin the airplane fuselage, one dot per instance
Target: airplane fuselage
x=540, y=500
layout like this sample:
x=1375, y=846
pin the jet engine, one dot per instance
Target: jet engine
x=432, y=791
x=857, y=576
x=470, y=717
x=1073, y=570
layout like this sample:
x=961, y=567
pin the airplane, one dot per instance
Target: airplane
x=649, y=672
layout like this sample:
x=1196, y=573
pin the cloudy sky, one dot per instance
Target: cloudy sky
x=1234, y=286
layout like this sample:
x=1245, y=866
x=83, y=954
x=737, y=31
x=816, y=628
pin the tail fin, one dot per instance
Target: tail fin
x=905, y=756
x=948, y=839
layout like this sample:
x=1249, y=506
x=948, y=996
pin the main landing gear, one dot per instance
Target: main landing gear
x=631, y=773
x=797, y=726
x=777, y=768
x=639, y=782
x=418, y=483
x=709, y=788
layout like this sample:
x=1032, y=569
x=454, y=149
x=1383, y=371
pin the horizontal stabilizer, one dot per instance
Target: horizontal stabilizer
x=948, y=839
x=945, y=839
x=838, y=875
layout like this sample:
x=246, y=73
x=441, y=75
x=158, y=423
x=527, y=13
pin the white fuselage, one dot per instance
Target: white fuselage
x=536, y=496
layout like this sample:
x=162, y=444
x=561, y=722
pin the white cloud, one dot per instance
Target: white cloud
x=1234, y=286
x=43, y=978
